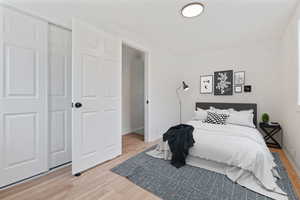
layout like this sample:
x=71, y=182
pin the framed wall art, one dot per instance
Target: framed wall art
x=223, y=83
x=238, y=89
x=206, y=84
x=239, y=78
x=247, y=88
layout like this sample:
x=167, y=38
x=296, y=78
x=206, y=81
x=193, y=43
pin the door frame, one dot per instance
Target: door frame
x=146, y=84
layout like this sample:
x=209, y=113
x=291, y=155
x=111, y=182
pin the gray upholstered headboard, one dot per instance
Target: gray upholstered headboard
x=235, y=106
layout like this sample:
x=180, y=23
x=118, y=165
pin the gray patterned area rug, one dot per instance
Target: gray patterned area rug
x=190, y=183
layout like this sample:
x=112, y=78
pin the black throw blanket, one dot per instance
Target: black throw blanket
x=180, y=139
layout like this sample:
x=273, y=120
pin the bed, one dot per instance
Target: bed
x=239, y=152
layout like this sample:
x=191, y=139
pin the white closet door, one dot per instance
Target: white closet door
x=96, y=94
x=60, y=96
x=23, y=96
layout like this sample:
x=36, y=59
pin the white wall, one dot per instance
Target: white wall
x=260, y=61
x=132, y=90
x=290, y=76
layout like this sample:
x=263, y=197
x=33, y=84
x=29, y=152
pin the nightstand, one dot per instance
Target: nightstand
x=271, y=130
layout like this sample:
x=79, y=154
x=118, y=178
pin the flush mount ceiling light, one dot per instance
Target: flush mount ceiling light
x=192, y=10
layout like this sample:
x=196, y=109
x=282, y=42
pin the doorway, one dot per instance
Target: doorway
x=134, y=94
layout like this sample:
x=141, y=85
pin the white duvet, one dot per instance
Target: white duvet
x=238, y=152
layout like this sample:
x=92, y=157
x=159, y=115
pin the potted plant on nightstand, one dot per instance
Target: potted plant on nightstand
x=265, y=118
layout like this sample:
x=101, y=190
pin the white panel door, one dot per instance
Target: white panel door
x=23, y=96
x=96, y=86
x=60, y=95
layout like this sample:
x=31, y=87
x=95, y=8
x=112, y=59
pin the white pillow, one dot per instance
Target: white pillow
x=242, y=118
x=220, y=111
x=200, y=114
x=242, y=111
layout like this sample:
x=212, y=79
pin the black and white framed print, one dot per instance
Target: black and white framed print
x=206, y=84
x=247, y=88
x=239, y=78
x=223, y=83
x=238, y=89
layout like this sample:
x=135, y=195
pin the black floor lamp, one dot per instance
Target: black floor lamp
x=183, y=87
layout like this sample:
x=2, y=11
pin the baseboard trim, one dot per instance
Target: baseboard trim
x=132, y=130
x=294, y=165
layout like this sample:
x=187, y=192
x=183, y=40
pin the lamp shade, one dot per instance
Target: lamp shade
x=185, y=87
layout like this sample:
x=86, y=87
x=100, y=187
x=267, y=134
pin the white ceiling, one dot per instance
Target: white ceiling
x=224, y=23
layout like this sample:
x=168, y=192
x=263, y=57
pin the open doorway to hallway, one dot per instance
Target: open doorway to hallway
x=133, y=91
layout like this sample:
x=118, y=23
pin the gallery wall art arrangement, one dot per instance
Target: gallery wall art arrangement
x=224, y=83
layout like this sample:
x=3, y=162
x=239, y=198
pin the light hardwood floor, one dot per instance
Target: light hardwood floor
x=99, y=183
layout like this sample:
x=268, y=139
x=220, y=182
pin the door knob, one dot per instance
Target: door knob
x=78, y=105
